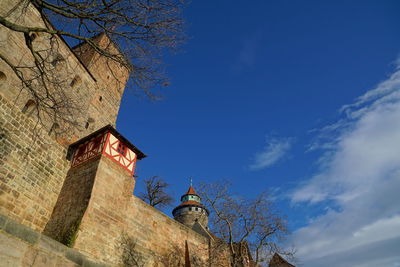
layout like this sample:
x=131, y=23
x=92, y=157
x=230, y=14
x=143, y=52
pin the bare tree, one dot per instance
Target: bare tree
x=130, y=255
x=250, y=229
x=155, y=193
x=141, y=29
x=174, y=257
x=177, y=257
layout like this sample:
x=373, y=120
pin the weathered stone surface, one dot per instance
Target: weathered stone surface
x=33, y=162
x=3, y=221
x=9, y=261
x=40, y=191
x=72, y=201
x=22, y=231
x=12, y=250
x=63, y=262
x=49, y=244
x=29, y=257
x=39, y=258
x=113, y=210
x=89, y=263
x=75, y=256
x=44, y=253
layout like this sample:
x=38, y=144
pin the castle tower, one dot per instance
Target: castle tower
x=100, y=178
x=110, y=76
x=191, y=210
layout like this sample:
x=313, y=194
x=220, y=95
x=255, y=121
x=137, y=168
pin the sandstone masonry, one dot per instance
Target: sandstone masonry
x=75, y=185
x=43, y=186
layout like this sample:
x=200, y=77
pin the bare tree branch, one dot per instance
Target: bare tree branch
x=155, y=193
x=130, y=255
x=142, y=30
x=244, y=224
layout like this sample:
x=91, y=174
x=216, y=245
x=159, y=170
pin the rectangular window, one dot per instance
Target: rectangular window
x=121, y=149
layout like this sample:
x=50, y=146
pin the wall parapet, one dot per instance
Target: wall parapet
x=23, y=246
x=169, y=219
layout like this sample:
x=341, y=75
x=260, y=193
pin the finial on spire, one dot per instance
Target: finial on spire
x=191, y=181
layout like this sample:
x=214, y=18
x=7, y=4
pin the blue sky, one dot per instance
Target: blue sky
x=297, y=97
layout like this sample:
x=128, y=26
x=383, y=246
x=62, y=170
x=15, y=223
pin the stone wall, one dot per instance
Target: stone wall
x=72, y=202
x=161, y=234
x=189, y=216
x=113, y=211
x=22, y=246
x=111, y=75
x=32, y=168
x=96, y=89
x=33, y=162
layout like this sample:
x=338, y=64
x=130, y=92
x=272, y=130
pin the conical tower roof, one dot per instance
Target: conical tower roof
x=190, y=199
x=191, y=191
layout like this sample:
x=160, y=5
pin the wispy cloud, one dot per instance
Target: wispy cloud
x=247, y=56
x=274, y=150
x=358, y=184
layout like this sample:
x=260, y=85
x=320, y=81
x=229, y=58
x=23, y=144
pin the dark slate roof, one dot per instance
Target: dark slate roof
x=109, y=128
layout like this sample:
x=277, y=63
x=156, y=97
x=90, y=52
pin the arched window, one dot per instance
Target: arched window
x=29, y=107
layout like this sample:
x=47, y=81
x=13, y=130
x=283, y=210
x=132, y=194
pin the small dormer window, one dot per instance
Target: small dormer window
x=121, y=149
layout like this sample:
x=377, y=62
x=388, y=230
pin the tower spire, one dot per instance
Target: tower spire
x=191, y=210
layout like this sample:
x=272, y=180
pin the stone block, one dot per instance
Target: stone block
x=38, y=258
x=49, y=244
x=3, y=221
x=9, y=261
x=74, y=256
x=89, y=263
x=11, y=247
x=29, y=256
x=62, y=262
x=21, y=231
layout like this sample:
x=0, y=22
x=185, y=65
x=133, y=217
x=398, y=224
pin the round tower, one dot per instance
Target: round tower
x=191, y=210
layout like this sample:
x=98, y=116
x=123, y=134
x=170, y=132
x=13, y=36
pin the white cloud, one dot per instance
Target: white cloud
x=247, y=56
x=359, y=183
x=274, y=151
